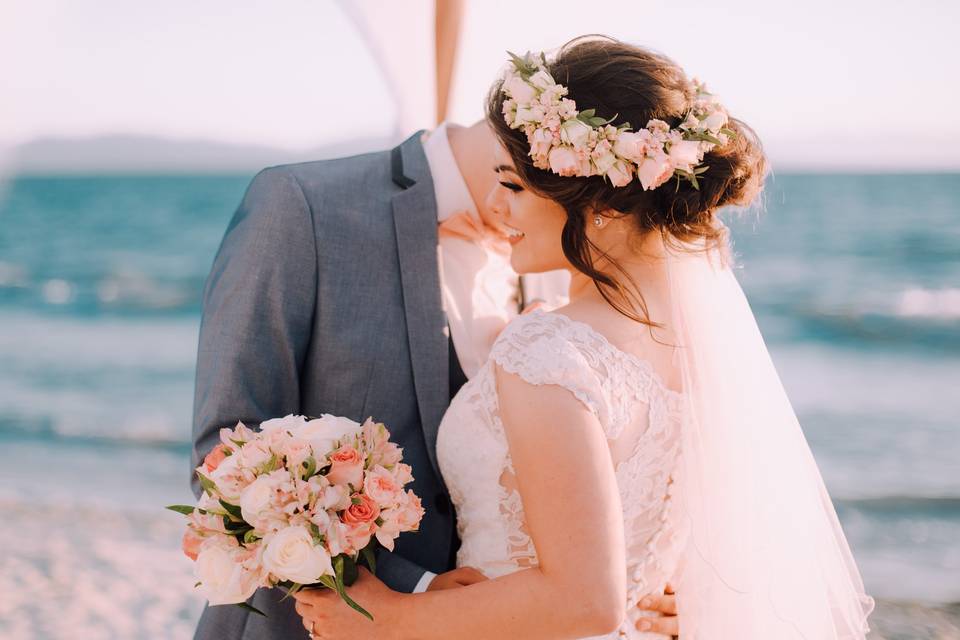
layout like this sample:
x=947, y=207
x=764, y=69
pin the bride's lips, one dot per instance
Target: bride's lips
x=513, y=234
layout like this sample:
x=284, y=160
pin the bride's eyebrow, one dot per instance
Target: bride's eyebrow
x=504, y=167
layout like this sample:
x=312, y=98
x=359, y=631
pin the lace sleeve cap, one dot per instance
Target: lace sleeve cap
x=538, y=352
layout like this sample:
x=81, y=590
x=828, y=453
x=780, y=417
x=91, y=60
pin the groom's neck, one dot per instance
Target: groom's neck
x=473, y=151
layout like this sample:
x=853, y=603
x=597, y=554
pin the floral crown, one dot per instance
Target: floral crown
x=580, y=143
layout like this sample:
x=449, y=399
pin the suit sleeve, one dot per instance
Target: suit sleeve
x=258, y=307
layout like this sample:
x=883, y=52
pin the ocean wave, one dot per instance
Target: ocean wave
x=903, y=506
x=863, y=326
x=45, y=431
x=125, y=291
x=930, y=303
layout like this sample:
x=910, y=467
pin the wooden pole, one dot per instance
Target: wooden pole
x=449, y=16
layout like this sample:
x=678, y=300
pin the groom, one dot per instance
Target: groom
x=365, y=286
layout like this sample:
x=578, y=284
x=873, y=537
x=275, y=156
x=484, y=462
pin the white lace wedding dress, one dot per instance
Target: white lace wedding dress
x=641, y=420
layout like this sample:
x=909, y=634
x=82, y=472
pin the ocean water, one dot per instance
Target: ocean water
x=855, y=280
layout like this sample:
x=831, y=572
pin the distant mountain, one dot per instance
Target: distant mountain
x=151, y=154
x=146, y=154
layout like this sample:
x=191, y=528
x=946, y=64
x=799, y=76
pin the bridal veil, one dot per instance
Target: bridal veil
x=766, y=556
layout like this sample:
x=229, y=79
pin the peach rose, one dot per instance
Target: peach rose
x=363, y=511
x=360, y=520
x=382, y=487
x=405, y=516
x=346, y=467
x=217, y=455
x=191, y=544
x=411, y=512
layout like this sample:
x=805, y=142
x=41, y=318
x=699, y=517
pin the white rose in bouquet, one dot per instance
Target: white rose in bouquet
x=287, y=423
x=257, y=498
x=223, y=579
x=290, y=554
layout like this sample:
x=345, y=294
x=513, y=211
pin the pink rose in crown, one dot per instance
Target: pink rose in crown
x=619, y=174
x=653, y=173
x=541, y=142
x=563, y=161
x=630, y=146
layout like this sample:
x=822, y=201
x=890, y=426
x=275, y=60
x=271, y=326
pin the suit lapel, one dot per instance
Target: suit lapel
x=415, y=219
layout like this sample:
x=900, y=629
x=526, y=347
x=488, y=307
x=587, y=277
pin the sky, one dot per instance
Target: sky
x=839, y=84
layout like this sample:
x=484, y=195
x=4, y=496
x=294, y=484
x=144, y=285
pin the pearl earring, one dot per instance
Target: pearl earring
x=597, y=221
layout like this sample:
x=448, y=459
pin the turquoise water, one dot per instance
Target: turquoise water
x=855, y=281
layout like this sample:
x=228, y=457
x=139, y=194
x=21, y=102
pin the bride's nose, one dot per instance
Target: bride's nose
x=495, y=202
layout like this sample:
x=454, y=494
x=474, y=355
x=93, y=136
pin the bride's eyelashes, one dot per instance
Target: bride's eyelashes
x=512, y=186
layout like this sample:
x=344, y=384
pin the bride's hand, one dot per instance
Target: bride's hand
x=456, y=578
x=327, y=617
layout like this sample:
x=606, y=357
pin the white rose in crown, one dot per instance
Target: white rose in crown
x=291, y=554
x=575, y=132
x=520, y=90
x=715, y=121
x=685, y=153
x=222, y=578
x=543, y=80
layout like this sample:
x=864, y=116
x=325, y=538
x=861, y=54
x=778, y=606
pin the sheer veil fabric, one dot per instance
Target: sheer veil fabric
x=766, y=557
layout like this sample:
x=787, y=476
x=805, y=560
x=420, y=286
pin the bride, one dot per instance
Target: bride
x=640, y=435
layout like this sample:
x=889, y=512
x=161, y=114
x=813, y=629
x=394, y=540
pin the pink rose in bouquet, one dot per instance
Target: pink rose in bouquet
x=301, y=502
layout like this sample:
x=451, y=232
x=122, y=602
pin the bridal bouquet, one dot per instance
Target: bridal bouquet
x=299, y=503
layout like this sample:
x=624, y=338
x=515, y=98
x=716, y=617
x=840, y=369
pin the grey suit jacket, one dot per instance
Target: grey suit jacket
x=324, y=297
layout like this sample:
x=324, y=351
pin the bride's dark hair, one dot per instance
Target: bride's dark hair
x=634, y=85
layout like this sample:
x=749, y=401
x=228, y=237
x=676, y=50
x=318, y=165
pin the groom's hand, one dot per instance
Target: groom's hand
x=665, y=603
x=462, y=577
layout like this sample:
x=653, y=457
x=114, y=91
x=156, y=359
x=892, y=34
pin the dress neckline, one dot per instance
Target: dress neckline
x=633, y=358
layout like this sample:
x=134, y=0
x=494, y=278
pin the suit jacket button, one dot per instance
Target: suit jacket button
x=441, y=504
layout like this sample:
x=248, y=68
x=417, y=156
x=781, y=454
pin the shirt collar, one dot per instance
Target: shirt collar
x=453, y=196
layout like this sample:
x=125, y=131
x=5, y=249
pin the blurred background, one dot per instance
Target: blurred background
x=129, y=131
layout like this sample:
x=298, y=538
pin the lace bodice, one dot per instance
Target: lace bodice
x=641, y=420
